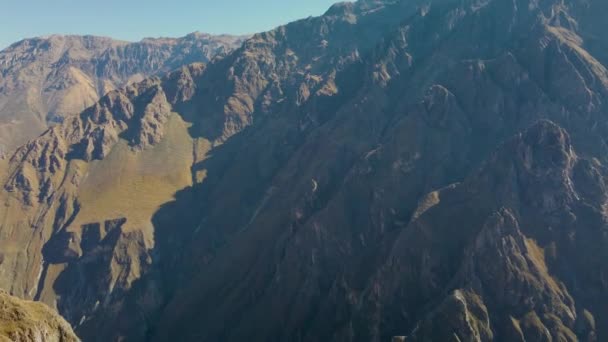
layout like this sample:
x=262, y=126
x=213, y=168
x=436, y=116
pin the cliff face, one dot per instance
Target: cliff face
x=29, y=321
x=44, y=80
x=429, y=169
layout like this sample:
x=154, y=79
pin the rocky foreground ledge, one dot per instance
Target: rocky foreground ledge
x=30, y=321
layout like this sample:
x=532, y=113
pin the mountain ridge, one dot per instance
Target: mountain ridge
x=45, y=79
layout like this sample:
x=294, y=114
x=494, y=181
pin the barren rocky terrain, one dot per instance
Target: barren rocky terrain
x=433, y=169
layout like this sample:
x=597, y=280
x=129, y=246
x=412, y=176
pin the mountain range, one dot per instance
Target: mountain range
x=43, y=80
x=419, y=170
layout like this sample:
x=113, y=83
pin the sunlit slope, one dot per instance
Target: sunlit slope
x=78, y=202
x=28, y=321
x=133, y=184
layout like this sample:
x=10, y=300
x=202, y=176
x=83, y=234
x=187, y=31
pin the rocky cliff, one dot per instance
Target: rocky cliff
x=429, y=168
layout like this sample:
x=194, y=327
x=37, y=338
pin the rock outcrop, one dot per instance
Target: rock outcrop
x=22, y=321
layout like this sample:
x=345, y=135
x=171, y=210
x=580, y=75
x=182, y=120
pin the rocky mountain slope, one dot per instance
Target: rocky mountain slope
x=433, y=169
x=29, y=321
x=44, y=80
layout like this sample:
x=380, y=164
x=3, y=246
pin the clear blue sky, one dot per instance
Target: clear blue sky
x=136, y=19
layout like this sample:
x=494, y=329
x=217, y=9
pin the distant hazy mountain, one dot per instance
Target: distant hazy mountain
x=44, y=80
x=433, y=169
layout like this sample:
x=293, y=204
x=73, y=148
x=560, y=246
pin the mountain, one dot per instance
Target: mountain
x=422, y=169
x=531, y=228
x=44, y=80
x=29, y=321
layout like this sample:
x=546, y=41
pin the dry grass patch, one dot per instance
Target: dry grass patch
x=134, y=184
